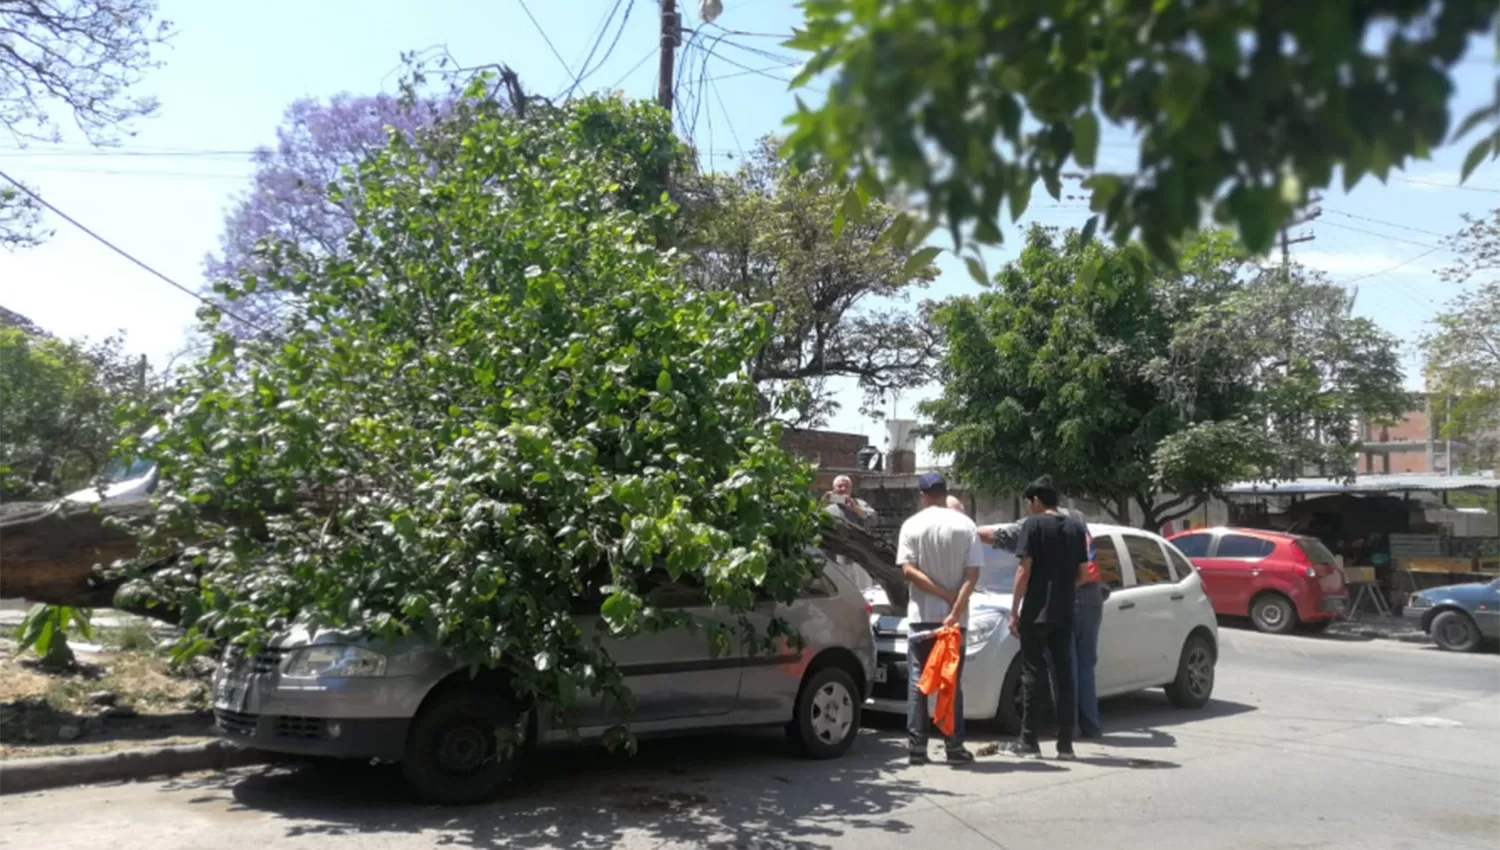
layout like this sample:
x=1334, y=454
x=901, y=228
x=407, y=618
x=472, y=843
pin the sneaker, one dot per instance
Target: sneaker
x=1066, y=754
x=960, y=756
x=1021, y=749
x=917, y=757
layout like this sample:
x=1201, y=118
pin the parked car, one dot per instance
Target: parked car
x=1280, y=581
x=1158, y=631
x=1458, y=616
x=125, y=481
x=347, y=695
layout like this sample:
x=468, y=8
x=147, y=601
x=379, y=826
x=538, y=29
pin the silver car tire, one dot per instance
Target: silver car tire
x=1455, y=631
x=453, y=756
x=827, y=716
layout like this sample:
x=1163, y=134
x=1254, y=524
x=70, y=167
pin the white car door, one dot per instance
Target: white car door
x=1157, y=601
x=1116, y=670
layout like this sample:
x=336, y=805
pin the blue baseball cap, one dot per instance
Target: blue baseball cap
x=930, y=481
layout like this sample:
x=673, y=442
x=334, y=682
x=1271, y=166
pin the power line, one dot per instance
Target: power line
x=122, y=252
x=1449, y=185
x=185, y=153
x=1403, y=263
x=583, y=70
x=1388, y=223
x=550, y=46
x=634, y=68
x=1384, y=236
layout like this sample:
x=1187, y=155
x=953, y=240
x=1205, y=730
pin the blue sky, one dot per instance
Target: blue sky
x=233, y=68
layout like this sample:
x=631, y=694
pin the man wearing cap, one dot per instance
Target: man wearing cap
x=940, y=556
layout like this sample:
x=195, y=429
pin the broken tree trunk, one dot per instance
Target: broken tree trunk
x=61, y=552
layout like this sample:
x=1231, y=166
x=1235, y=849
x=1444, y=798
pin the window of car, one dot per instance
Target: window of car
x=1244, y=546
x=1181, y=566
x=1193, y=545
x=818, y=584
x=1316, y=552
x=1149, y=560
x=1108, y=559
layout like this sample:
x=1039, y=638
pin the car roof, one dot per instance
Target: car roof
x=1263, y=533
x=1100, y=527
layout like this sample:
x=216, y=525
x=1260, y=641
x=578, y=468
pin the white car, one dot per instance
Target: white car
x=1158, y=630
x=125, y=481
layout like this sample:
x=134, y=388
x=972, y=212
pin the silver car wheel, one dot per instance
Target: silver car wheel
x=832, y=712
x=1200, y=671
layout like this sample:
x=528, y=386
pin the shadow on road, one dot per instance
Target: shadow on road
x=724, y=792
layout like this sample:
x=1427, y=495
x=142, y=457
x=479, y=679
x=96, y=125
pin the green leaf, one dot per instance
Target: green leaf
x=1476, y=155
x=1089, y=271
x=977, y=270
x=1086, y=139
x=919, y=261
x=664, y=381
x=1087, y=235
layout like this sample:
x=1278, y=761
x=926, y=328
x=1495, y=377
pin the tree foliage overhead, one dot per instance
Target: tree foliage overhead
x=1245, y=107
x=1463, y=349
x=502, y=399
x=838, y=295
x=73, y=58
x=1131, y=384
x=61, y=404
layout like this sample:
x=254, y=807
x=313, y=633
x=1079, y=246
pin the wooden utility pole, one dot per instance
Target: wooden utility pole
x=671, y=35
x=1286, y=239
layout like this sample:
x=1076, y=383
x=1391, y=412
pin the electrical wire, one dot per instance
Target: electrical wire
x=714, y=87
x=547, y=39
x=610, y=51
x=1384, y=236
x=1388, y=223
x=126, y=254
x=583, y=70
x=635, y=67
x=1449, y=185
x=1402, y=264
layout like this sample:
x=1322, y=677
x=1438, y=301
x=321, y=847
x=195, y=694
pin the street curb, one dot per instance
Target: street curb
x=22, y=776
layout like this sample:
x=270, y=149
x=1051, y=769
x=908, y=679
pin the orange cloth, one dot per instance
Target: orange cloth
x=940, y=674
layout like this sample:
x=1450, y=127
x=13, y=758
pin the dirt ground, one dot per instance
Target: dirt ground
x=126, y=694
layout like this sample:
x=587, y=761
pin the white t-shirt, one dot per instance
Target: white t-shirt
x=942, y=543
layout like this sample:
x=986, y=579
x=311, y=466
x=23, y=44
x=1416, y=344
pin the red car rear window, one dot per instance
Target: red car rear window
x=1316, y=552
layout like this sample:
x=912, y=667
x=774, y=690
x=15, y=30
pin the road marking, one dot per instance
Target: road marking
x=1427, y=722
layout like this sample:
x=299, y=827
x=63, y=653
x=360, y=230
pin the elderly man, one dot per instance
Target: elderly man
x=842, y=502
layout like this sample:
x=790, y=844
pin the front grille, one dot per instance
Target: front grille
x=299, y=727
x=268, y=660
x=237, y=723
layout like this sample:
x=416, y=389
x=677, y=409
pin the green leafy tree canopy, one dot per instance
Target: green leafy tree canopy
x=505, y=399
x=1463, y=349
x=1130, y=384
x=1242, y=107
x=839, y=296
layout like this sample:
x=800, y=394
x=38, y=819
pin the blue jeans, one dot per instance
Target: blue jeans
x=918, y=720
x=1088, y=611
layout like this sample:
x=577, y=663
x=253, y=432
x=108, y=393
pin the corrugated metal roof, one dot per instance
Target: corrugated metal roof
x=1364, y=484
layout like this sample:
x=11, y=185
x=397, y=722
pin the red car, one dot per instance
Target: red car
x=1280, y=581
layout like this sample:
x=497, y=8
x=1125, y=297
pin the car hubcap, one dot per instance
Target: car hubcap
x=462, y=748
x=1200, y=672
x=1272, y=614
x=832, y=713
x=1455, y=632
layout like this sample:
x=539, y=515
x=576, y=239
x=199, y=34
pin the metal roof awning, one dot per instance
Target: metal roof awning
x=1364, y=484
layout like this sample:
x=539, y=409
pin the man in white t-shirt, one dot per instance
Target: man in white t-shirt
x=940, y=556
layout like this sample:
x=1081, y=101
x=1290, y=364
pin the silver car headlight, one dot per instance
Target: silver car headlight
x=983, y=628
x=334, y=661
x=1418, y=601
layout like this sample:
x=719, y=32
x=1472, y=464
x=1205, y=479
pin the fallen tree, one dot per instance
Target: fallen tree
x=62, y=553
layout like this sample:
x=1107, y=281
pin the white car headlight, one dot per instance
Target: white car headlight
x=1418, y=601
x=334, y=661
x=983, y=628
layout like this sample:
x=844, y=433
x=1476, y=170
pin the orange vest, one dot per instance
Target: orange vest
x=940, y=674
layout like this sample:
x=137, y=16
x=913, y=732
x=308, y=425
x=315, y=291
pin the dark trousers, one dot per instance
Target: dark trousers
x=1038, y=642
x=918, y=718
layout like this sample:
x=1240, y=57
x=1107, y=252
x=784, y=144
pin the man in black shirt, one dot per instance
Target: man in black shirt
x=1053, y=550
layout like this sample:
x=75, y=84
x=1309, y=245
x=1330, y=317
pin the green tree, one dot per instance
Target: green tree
x=1463, y=349
x=504, y=400
x=61, y=404
x=839, y=296
x=1243, y=107
x=1130, y=384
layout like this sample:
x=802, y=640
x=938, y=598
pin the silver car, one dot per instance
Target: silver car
x=345, y=695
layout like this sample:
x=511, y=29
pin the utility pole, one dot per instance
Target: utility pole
x=1310, y=215
x=671, y=37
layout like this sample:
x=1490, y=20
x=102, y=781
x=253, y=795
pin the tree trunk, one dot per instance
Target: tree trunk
x=878, y=559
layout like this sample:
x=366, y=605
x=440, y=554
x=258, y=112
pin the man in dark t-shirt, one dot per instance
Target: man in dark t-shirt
x=1053, y=550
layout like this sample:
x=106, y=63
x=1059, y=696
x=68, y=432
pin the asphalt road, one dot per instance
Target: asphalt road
x=1311, y=743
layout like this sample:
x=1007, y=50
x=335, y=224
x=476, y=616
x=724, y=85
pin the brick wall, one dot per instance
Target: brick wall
x=827, y=449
